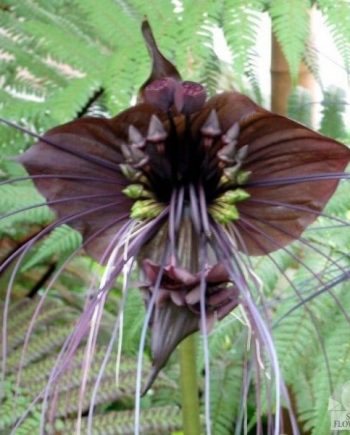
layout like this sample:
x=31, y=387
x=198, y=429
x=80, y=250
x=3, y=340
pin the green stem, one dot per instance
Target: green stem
x=189, y=387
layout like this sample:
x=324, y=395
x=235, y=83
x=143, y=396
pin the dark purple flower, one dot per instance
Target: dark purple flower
x=186, y=185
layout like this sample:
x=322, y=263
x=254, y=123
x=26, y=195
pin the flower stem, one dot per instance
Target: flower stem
x=189, y=387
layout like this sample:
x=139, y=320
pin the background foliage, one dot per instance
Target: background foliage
x=64, y=59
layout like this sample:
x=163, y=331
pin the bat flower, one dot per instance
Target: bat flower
x=187, y=186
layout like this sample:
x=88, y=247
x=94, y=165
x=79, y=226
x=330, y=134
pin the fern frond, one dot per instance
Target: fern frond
x=338, y=349
x=333, y=108
x=62, y=241
x=40, y=345
x=337, y=14
x=16, y=197
x=240, y=25
x=161, y=420
x=226, y=388
x=300, y=105
x=133, y=321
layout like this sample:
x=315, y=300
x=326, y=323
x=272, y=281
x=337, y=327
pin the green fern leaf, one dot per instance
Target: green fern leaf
x=337, y=14
x=333, y=107
x=62, y=241
x=300, y=106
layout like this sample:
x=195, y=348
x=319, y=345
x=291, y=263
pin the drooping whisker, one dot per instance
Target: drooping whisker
x=89, y=352
x=195, y=213
x=276, y=243
x=51, y=283
x=263, y=333
x=88, y=157
x=59, y=201
x=179, y=207
x=225, y=252
x=223, y=244
x=172, y=219
x=6, y=310
x=37, y=310
x=303, y=302
x=298, y=179
x=117, y=328
x=309, y=245
x=23, y=249
x=332, y=283
x=203, y=322
x=118, y=238
x=123, y=239
x=258, y=390
x=44, y=394
x=265, y=338
x=247, y=381
x=299, y=295
x=246, y=261
x=300, y=208
x=302, y=240
x=329, y=227
x=71, y=256
x=149, y=312
x=70, y=346
x=104, y=180
x=80, y=330
x=42, y=233
x=203, y=210
x=327, y=271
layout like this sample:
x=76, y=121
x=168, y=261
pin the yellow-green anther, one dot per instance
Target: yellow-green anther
x=134, y=191
x=242, y=177
x=145, y=209
x=233, y=196
x=224, y=213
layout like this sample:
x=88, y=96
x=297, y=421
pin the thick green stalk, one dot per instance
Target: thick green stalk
x=189, y=387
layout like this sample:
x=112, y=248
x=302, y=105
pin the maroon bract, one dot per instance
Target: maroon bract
x=203, y=180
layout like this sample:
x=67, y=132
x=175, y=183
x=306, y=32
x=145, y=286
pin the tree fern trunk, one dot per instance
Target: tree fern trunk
x=281, y=82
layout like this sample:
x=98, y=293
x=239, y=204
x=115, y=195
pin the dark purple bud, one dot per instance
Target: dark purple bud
x=161, y=67
x=217, y=274
x=193, y=296
x=222, y=296
x=160, y=93
x=174, y=277
x=190, y=97
x=150, y=270
x=227, y=308
x=178, y=298
x=170, y=325
x=181, y=275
